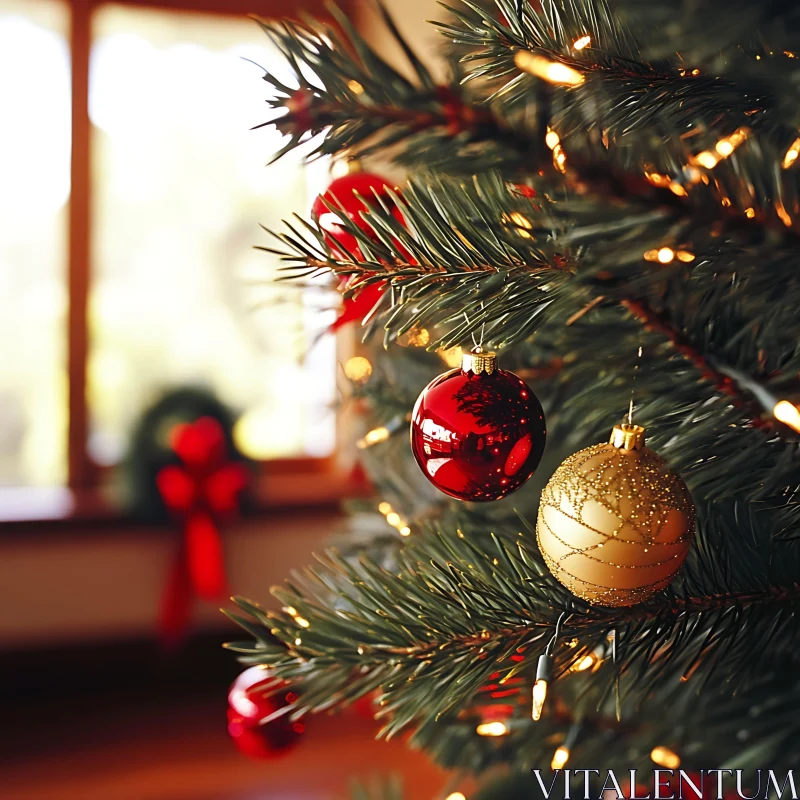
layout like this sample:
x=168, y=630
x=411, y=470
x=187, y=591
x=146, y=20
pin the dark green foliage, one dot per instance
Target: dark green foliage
x=561, y=266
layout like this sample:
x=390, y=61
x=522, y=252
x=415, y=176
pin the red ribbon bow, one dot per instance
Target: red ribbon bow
x=206, y=486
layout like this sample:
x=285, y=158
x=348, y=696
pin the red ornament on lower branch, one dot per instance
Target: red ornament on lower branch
x=478, y=433
x=255, y=696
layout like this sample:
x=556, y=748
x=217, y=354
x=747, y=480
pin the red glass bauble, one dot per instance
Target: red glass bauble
x=478, y=432
x=352, y=194
x=357, y=307
x=263, y=741
x=254, y=696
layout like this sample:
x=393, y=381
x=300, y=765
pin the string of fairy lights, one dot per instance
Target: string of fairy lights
x=359, y=369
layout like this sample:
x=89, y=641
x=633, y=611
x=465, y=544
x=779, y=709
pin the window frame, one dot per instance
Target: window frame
x=281, y=482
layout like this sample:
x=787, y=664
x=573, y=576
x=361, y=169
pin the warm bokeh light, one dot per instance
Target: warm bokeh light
x=706, y=159
x=665, y=757
x=340, y=168
x=550, y=71
x=788, y=414
x=456, y=796
x=560, y=758
x=791, y=154
x=452, y=356
x=665, y=255
x=416, y=337
x=783, y=214
x=494, y=728
x=677, y=189
x=358, y=369
x=375, y=436
x=584, y=41
x=384, y=507
x=724, y=148
x=257, y=434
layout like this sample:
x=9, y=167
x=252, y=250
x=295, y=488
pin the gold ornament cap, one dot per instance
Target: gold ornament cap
x=627, y=437
x=478, y=361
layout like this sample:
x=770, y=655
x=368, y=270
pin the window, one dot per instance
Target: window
x=144, y=277
x=34, y=192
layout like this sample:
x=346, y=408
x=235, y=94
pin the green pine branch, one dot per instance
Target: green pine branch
x=436, y=630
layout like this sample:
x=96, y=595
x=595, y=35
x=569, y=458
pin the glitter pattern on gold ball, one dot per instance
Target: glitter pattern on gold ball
x=615, y=523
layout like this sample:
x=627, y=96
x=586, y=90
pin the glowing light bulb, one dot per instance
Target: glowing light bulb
x=584, y=41
x=706, y=159
x=456, y=796
x=685, y=256
x=783, y=214
x=358, y=369
x=788, y=414
x=552, y=138
x=550, y=71
x=677, y=189
x=340, y=168
x=385, y=508
x=405, y=531
x=665, y=757
x=560, y=758
x=582, y=664
x=539, y=696
x=393, y=519
x=791, y=154
x=724, y=148
x=494, y=728
x=665, y=255
x=375, y=436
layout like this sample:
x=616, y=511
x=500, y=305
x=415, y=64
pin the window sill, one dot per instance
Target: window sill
x=291, y=488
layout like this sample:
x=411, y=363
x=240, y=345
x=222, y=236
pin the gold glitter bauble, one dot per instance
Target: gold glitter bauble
x=615, y=523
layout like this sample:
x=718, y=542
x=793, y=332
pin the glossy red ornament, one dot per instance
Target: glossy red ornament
x=254, y=696
x=352, y=194
x=357, y=307
x=478, y=433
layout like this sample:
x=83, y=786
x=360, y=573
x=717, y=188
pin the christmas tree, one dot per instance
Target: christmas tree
x=605, y=196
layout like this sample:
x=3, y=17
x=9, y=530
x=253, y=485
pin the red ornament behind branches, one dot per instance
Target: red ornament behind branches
x=255, y=696
x=199, y=492
x=349, y=196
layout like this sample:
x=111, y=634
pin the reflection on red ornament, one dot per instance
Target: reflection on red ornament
x=478, y=435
